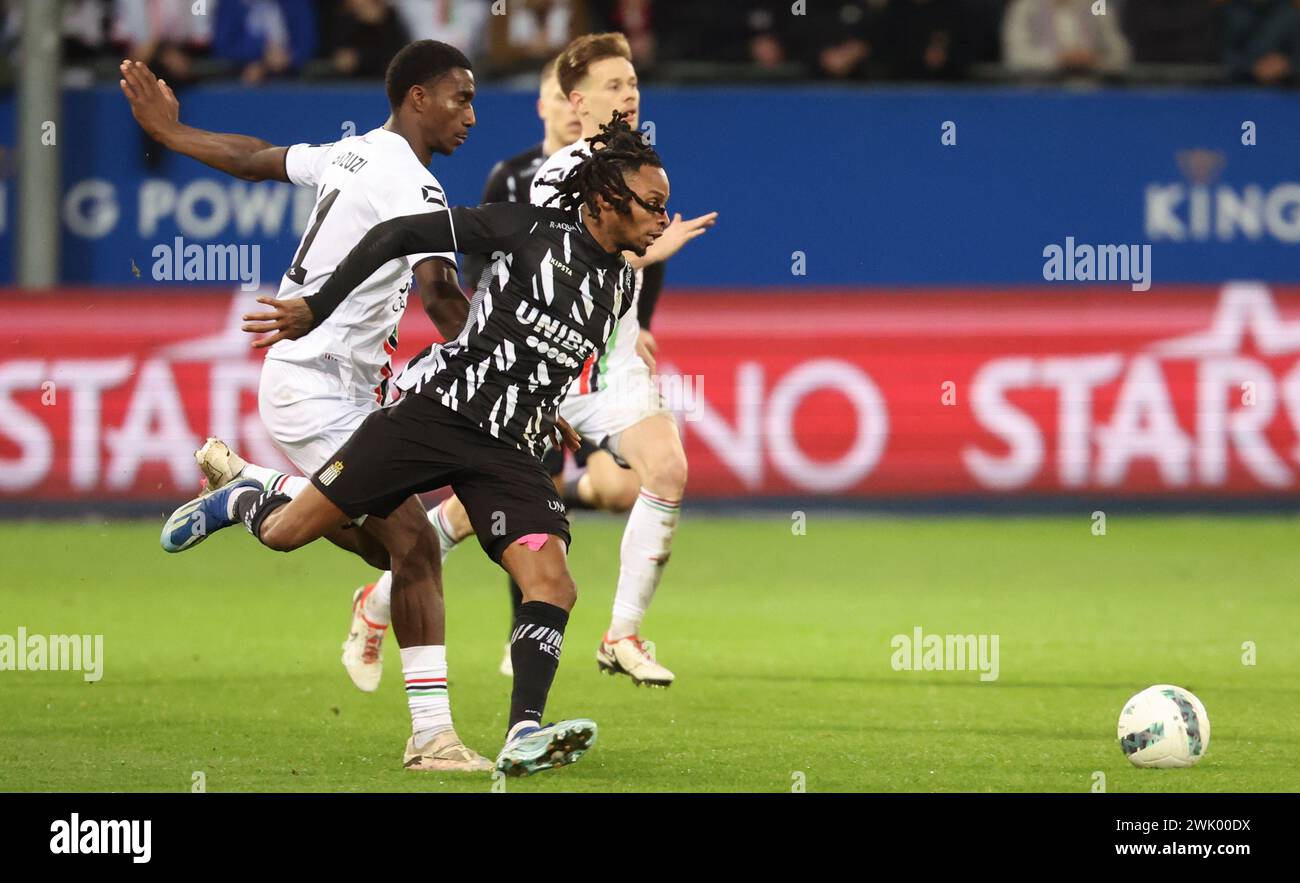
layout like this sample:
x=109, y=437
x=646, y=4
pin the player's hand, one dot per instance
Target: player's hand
x=153, y=103
x=677, y=234
x=289, y=320
x=647, y=348
x=565, y=436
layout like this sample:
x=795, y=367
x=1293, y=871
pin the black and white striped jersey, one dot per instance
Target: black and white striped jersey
x=549, y=305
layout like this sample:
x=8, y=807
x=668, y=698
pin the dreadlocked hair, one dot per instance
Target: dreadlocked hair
x=615, y=150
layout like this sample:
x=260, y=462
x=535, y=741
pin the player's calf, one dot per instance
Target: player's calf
x=536, y=562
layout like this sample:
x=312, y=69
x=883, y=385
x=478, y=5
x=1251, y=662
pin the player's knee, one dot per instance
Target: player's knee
x=417, y=548
x=554, y=587
x=667, y=473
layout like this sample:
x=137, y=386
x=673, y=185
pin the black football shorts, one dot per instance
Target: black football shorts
x=419, y=445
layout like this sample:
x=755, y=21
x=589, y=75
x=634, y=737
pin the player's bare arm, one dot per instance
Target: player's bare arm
x=677, y=234
x=292, y=318
x=441, y=296
x=156, y=109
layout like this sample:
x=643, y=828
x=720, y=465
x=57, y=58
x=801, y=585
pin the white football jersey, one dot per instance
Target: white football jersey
x=621, y=349
x=360, y=181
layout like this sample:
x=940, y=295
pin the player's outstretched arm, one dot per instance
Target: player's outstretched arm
x=675, y=235
x=485, y=228
x=155, y=108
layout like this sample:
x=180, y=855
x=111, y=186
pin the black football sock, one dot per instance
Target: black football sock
x=535, y=654
x=252, y=508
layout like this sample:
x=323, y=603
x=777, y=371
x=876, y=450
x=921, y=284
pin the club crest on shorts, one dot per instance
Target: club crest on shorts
x=327, y=477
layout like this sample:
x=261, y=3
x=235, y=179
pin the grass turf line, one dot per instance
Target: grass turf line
x=224, y=659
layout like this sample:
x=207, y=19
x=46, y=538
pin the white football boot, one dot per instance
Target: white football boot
x=219, y=464
x=363, y=649
x=531, y=749
x=630, y=656
x=444, y=753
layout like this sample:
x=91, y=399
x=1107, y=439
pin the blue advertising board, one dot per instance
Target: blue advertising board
x=817, y=186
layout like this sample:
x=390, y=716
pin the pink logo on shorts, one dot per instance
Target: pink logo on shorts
x=534, y=541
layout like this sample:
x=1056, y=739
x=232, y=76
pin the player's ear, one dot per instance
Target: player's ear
x=417, y=95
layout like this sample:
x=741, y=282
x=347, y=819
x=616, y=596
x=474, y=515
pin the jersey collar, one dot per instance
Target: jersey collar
x=603, y=258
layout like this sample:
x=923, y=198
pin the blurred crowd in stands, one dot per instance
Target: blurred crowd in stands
x=1244, y=41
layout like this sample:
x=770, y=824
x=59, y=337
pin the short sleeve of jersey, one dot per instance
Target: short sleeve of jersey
x=412, y=197
x=305, y=163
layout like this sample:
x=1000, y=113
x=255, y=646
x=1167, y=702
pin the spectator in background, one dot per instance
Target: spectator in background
x=1062, y=37
x=921, y=39
x=841, y=42
x=165, y=34
x=1263, y=41
x=1171, y=31
x=83, y=28
x=364, y=35
x=265, y=38
x=462, y=23
x=534, y=31
x=635, y=20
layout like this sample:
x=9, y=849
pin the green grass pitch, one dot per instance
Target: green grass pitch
x=225, y=660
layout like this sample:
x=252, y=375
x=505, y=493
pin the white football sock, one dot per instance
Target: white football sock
x=425, y=670
x=378, y=606
x=647, y=542
x=274, y=481
x=446, y=541
x=264, y=474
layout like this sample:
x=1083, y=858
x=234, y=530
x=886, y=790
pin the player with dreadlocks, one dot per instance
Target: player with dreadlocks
x=615, y=401
x=478, y=412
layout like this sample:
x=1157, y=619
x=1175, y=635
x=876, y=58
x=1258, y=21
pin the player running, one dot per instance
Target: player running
x=614, y=402
x=316, y=390
x=479, y=411
x=509, y=181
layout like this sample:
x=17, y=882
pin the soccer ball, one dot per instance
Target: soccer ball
x=1164, y=726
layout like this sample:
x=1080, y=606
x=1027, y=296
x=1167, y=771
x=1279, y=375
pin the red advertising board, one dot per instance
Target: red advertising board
x=1194, y=391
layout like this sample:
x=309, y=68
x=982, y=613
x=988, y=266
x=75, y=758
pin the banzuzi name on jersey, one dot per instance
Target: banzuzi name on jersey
x=350, y=162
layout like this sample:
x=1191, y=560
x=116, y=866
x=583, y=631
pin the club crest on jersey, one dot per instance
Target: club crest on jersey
x=335, y=469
